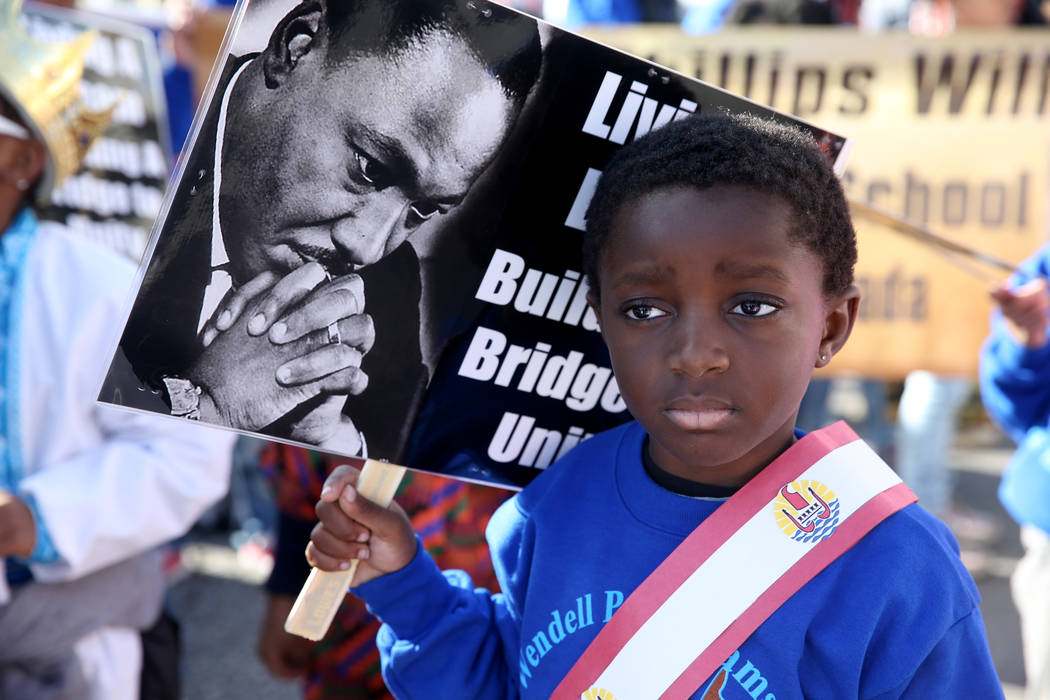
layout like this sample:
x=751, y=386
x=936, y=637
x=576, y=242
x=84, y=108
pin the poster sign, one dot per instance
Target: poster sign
x=950, y=132
x=373, y=246
x=117, y=194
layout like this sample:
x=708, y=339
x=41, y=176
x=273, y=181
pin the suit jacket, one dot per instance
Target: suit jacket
x=160, y=337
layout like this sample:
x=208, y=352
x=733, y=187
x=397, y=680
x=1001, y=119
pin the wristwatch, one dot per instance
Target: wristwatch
x=185, y=397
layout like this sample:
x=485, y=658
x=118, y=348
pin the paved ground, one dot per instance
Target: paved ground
x=221, y=604
x=220, y=618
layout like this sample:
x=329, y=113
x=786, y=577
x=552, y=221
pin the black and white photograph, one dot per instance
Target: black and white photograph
x=371, y=246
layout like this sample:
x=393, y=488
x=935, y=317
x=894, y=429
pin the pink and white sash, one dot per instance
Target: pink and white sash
x=732, y=572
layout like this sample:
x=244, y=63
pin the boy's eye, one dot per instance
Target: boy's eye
x=643, y=312
x=753, y=308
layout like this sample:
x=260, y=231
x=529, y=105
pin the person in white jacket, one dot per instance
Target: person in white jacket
x=87, y=491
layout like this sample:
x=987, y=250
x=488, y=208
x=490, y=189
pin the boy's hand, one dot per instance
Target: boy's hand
x=1026, y=310
x=353, y=527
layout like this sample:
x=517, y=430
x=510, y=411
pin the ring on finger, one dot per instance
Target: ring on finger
x=333, y=333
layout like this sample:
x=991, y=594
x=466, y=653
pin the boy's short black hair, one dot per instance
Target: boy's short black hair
x=719, y=149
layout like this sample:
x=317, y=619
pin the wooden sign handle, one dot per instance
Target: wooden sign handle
x=323, y=591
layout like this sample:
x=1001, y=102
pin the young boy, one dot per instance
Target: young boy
x=720, y=255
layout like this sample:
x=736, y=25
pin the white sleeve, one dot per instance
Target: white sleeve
x=146, y=482
x=106, y=483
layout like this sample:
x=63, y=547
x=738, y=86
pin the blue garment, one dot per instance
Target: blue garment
x=1015, y=388
x=572, y=14
x=706, y=16
x=14, y=244
x=578, y=13
x=895, y=616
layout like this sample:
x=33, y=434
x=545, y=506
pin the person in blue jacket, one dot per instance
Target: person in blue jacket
x=719, y=254
x=1015, y=388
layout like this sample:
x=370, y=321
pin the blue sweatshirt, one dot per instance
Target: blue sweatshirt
x=896, y=616
x=1015, y=388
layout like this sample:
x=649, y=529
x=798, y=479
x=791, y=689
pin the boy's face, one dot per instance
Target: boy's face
x=714, y=323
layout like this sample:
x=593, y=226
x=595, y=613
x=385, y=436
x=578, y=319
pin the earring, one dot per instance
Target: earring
x=22, y=184
x=823, y=357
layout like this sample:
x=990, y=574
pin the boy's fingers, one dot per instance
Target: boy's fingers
x=383, y=522
x=340, y=477
x=339, y=524
x=326, y=542
x=324, y=562
x=335, y=520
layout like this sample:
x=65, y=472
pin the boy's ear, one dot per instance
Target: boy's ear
x=293, y=38
x=592, y=302
x=838, y=324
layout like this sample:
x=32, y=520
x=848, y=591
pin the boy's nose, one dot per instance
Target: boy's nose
x=371, y=231
x=698, y=348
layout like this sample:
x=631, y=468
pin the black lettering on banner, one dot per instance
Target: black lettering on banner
x=856, y=80
x=947, y=75
x=893, y=297
x=1004, y=79
x=809, y=81
x=956, y=203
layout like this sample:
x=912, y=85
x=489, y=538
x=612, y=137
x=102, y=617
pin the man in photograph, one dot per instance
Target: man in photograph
x=281, y=265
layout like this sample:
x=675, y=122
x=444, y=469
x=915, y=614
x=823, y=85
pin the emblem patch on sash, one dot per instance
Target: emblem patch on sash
x=806, y=511
x=597, y=694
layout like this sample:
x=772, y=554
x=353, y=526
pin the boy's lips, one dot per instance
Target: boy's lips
x=699, y=413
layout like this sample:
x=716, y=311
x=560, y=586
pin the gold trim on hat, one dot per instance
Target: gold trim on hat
x=42, y=83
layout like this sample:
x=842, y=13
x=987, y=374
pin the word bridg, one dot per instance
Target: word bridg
x=581, y=385
x=989, y=81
